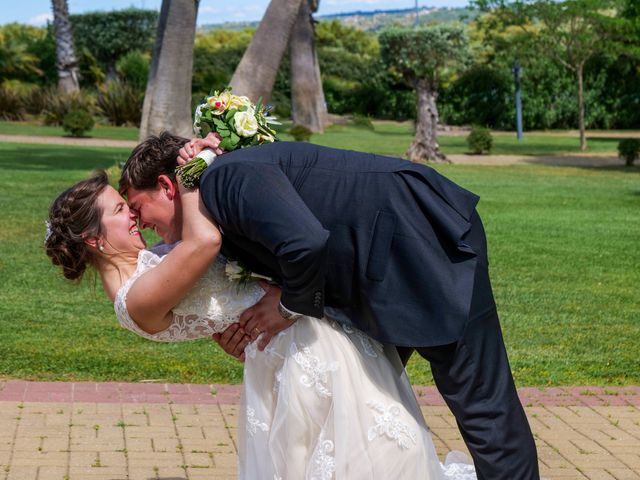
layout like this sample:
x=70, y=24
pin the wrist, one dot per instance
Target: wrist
x=288, y=314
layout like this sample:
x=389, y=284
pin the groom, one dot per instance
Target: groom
x=380, y=243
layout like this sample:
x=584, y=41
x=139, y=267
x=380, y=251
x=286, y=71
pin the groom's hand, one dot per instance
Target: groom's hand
x=196, y=145
x=263, y=319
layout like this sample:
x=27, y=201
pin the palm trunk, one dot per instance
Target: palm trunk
x=67, y=63
x=256, y=73
x=167, y=101
x=583, y=136
x=308, y=104
x=425, y=145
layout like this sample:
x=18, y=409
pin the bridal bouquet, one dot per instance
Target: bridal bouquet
x=239, y=122
x=237, y=272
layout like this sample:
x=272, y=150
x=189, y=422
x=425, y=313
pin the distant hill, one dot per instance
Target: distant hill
x=377, y=19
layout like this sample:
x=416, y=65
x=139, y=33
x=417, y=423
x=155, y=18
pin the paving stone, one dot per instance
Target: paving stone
x=133, y=431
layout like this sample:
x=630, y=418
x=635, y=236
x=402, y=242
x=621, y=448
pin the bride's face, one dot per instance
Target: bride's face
x=119, y=224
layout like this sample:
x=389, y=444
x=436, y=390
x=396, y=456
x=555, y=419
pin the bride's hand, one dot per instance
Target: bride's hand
x=196, y=145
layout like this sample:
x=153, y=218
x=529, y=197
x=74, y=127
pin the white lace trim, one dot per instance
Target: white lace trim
x=388, y=424
x=458, y=466
x=211, y=305
x=253, y=424
x=323, y=465
x=315, y=370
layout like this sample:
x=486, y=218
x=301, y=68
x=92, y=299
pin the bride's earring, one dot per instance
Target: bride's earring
x=101, y=248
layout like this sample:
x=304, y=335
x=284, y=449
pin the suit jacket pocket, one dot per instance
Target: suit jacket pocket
x=381, y=239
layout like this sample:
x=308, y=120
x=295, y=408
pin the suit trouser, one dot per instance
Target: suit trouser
x=474, y=377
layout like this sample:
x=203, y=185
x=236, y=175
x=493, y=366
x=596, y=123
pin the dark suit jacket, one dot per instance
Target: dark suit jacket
x=374, y=241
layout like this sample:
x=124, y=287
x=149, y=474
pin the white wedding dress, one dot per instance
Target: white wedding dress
x=321, y=402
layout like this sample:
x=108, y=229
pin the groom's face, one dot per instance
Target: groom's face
x=158, y=210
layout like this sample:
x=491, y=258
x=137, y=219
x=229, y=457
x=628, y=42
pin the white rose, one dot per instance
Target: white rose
x=233, y=271
x=246, y=124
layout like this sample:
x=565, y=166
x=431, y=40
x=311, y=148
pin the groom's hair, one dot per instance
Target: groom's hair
x=154, y=157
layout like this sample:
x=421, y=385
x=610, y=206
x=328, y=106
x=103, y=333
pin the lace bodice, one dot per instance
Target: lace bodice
x=210, y=307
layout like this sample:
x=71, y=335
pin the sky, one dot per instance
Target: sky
x=37, y=12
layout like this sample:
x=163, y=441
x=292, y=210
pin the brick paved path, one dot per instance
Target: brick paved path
x=117, y=431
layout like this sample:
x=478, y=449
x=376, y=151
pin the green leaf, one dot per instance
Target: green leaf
x=205, y=128
x=219, y=123
x=230, y=114
x=225, y=144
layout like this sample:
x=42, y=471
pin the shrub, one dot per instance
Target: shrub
x=11, y=102
x=58, y=105
x=29, y=95
x=133, y=68
x=121, y=103
x=91, y=73
x=481, y=95
x=629, y=150
x=300, y=133
x=77, y=122
x=34, y=100
x=480, y=140
x=364, y=121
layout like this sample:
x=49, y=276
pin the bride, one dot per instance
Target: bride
x=322, y=401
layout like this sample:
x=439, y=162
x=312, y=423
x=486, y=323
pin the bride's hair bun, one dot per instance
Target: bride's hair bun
x=73, y=217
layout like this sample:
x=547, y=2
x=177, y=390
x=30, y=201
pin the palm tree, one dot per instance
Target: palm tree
x=67, y=61
x=167, y=102
x=15, y=59
x=256, y=72
x=307, y=97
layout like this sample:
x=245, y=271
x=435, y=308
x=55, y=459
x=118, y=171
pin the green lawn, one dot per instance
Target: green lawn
x=393, y=139
x=38, y=130
x=564, y=258
x=388, y=138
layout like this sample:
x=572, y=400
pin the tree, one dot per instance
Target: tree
x=257, y=71
x=16, y=60
x=571, y=32
x=167, y=101
x=421, y=57
x=308, y=104
x=67, y=63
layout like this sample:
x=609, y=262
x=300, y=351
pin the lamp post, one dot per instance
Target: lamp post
x=417, y=14
x=517, y=72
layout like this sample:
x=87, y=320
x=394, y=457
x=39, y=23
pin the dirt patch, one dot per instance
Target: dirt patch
x=577, y=160
x=569, y=160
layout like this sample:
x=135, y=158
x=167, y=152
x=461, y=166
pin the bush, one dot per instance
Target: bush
x=77, y=122
x=480, y=140
x=11, y=102
x=58, y=105
x=364, y=121
x=33, y=100
x=300, y=133
x=629, y=150
x=133, y=68
x=481, y=95
x=121, y=103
